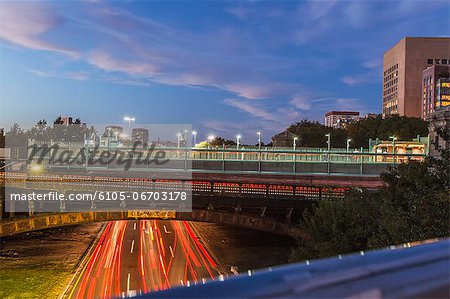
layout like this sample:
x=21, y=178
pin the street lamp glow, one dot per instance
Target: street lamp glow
x=238, y=138
x=194, y=134
x=211, y=137
x=36, y=168
x=259, y=140
x=129, y=119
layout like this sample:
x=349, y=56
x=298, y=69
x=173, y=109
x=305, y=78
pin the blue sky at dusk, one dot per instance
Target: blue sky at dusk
x=226, y=67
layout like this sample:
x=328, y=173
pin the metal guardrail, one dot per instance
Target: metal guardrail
x=273, y=160
x=198, y=187
x=406, y=271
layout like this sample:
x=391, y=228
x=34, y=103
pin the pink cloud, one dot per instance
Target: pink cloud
x=24, y=23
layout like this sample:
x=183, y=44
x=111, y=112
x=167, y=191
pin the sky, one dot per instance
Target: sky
x=227, y=68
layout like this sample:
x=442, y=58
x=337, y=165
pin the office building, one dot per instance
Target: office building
x=140, y=135
x=340, y=119
x=113, y=131
x=439, y=122
x=402, y=72
x=435, y=88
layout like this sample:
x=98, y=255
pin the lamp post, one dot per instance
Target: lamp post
x=348, y=144
x=328, y=140
x=178, y=139
x=238, y=138
x=259, y=149
x=259, y=140
x=194, y=135
x=393, y=149
x=328, y=135
x=294, y=145
x=129, y=119
x=210, y=139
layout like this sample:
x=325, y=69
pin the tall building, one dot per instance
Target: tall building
x=435, y=88
x=66, y=120
x=113, y=131
x=140, y=135
x=340, y=119
x=439, y=121
x=402, y=72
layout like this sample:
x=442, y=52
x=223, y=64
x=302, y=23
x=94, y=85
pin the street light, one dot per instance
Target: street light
x=211, y=138
x=194, y=135
x=238, y=138
x=328, y=140
x=294, y=143
x=348, y=144
x=129, y=119
x=393, y=148
x=259, y=140
x=179, y=136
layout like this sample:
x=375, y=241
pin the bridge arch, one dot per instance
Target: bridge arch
x=44, y=221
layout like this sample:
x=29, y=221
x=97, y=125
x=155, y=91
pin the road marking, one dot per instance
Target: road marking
x=134, y=226
x=132, y=246
x=171, y=251
x=128, y=283
x=165, y=230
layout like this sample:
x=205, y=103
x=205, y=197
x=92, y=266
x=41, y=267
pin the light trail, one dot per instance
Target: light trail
x=154, y=261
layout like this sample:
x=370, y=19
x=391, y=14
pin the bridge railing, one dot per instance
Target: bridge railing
x=198, y=187
x=243, y=160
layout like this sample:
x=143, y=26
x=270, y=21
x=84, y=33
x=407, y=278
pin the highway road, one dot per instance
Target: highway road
x=133, y=257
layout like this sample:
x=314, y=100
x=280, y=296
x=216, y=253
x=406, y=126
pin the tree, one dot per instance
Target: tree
x=412, y=205
x=401, y=126
x=219, y=142
x=2, y=138
x=312, y=134
x=338, y=227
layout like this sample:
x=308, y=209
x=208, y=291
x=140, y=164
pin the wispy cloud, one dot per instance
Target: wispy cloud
x=24, y=23
x=81, y=75
x=274, y=61
x=251, y=109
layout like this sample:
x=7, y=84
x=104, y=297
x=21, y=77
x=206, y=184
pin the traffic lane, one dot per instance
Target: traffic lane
x=132, y=257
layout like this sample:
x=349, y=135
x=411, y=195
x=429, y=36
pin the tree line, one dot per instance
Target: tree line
x=412, y=205
x=312, y=133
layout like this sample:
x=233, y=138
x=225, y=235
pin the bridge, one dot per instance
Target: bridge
x=298, y=162
x=265, y=205
x=267, y=189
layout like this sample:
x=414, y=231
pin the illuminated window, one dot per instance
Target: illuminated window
x=437, y=61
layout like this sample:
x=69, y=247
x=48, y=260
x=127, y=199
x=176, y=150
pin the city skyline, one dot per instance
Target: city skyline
x=221, y=68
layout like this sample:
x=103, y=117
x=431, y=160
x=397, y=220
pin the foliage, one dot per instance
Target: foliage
x=312, y=134
x=412, y=205
x=401, y=126
x=219, y=142
x=337, y=227
x=16, y=136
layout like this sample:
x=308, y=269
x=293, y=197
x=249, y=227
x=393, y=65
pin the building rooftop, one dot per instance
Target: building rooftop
x=342, y=113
